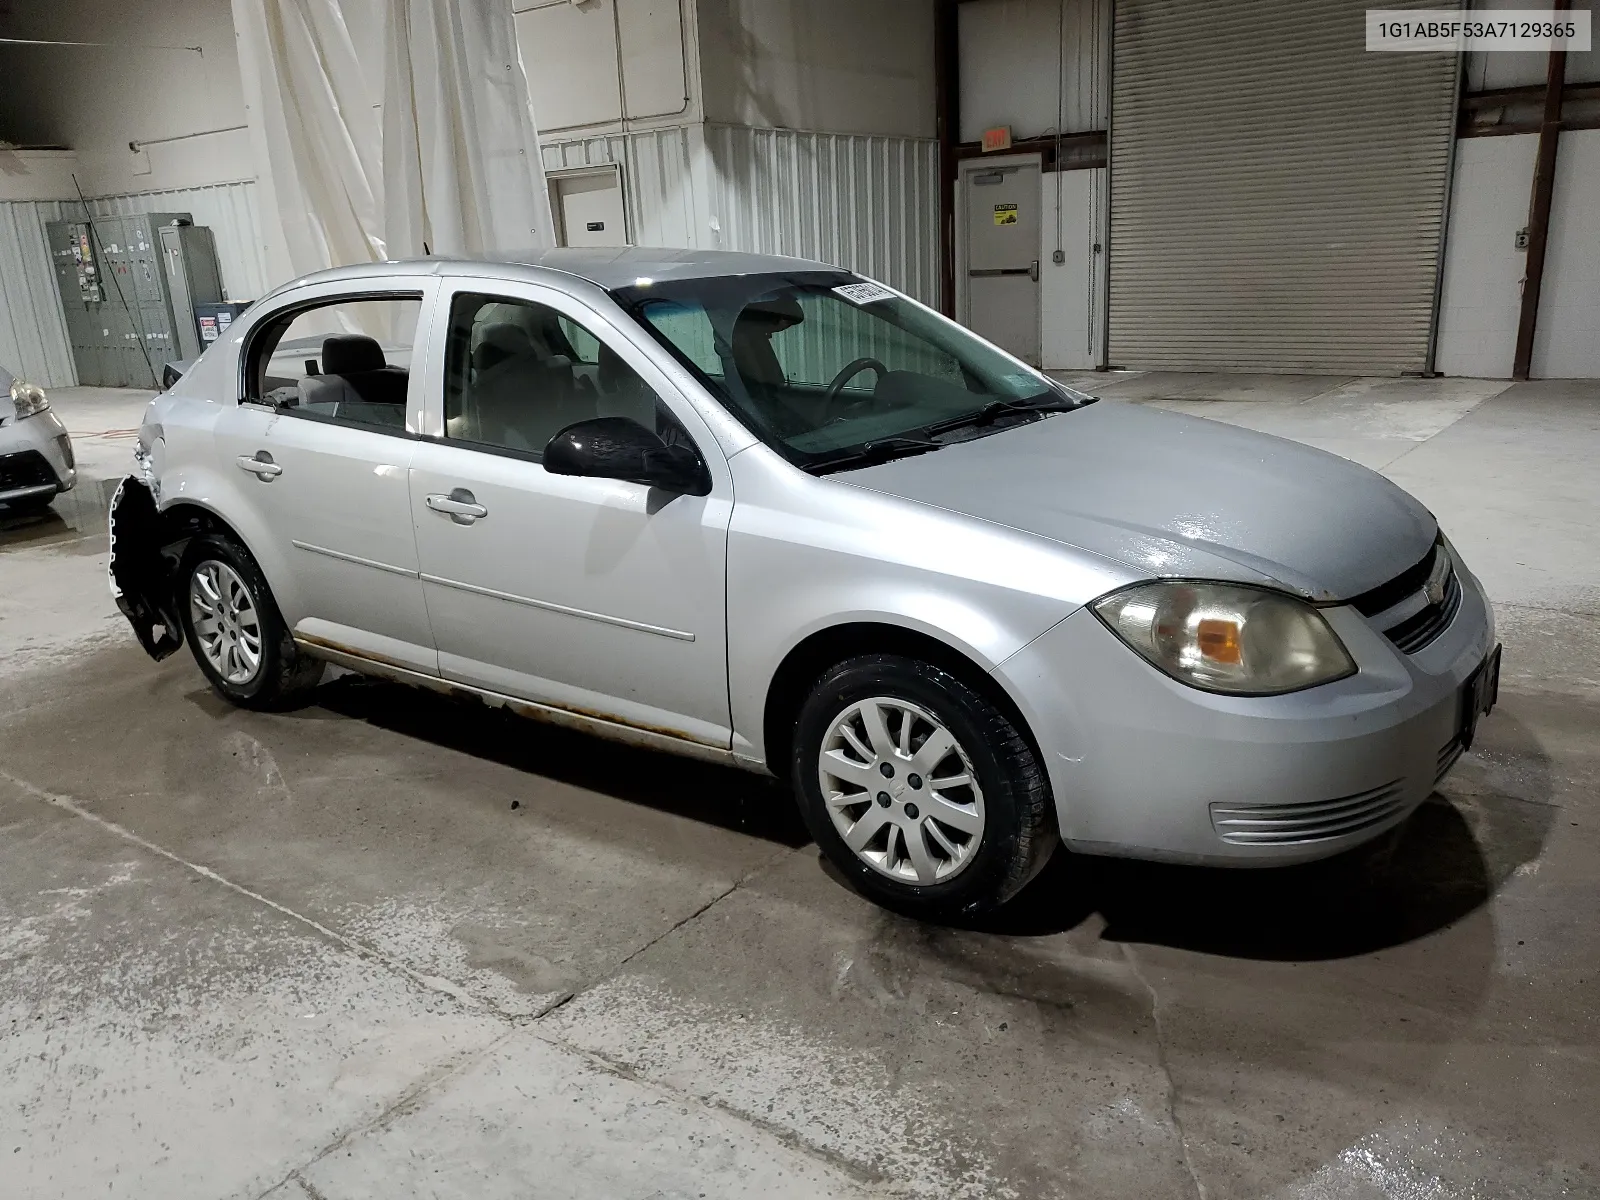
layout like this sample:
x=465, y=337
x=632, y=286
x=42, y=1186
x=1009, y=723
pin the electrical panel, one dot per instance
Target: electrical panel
x=190, y=257
x=214, y=319
x=83, y=259
x=129, y=286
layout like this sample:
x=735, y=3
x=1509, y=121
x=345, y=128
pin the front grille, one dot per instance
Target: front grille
x=1412, y=633
x=1409, y=582
x=1417, y=630
x=26, y=468
x=1448, y=754
x=1317, y=821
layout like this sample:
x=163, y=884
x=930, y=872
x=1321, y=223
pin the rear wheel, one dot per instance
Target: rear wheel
x=233, y=626
x=919, y=789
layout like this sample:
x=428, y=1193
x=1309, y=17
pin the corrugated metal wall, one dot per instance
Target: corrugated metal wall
x=1277, y=193
x=33, y=333
x=231, y=212
x=867, y=203
x=657, y=186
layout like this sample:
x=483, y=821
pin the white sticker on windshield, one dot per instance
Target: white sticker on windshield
x=863, y=293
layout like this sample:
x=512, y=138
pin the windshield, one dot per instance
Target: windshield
x=821, y=364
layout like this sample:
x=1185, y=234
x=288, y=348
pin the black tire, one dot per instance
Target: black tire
x=285, y=676
x=1019, y=830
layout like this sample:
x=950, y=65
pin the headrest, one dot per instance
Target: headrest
x=351, y=352
x=499, y=342
x=550, y=331
x=774, y=314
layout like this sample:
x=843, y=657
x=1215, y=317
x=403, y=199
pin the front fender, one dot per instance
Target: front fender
x=141, y=576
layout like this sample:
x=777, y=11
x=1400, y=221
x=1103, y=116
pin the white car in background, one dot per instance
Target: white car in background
x=36, y=459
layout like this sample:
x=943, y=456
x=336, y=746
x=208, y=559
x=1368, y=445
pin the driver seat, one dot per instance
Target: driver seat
x=751, y=342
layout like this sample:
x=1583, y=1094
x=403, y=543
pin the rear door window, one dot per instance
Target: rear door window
x=347, y=361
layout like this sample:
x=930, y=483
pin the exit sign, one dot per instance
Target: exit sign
x=998, y=138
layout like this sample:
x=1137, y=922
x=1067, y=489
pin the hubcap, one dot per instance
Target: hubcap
x=901, y=791
x=225, y=623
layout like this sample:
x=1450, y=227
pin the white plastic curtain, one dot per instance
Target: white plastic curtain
x=391, y=129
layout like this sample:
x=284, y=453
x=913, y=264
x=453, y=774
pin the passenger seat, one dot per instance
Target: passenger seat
x=357, y=383
x=523, y=402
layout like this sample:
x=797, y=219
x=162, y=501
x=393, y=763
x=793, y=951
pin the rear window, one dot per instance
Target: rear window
x=347, y=361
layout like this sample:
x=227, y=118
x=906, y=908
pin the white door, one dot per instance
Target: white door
x=601, y=597
x=1001, y=253
x=591, y=211
x=319, y=448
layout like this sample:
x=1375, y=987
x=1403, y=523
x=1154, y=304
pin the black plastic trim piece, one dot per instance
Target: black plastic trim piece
x=1386, y=595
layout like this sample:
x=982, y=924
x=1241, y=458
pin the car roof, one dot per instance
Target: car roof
x=608, y=267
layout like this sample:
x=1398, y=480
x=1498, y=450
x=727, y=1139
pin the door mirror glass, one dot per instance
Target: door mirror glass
x=621, y=448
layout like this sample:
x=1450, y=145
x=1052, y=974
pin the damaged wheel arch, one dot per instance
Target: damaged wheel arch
x=146, y=547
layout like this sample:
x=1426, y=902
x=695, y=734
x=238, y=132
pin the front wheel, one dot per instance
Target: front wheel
x=233, y=626
x=919, y=789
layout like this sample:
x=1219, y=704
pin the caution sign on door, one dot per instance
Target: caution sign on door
x=1005, y=214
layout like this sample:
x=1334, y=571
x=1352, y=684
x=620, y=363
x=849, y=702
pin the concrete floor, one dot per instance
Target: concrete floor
x=390, y=946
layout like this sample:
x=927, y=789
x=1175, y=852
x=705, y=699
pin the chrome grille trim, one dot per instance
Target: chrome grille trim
x=1407, y=594
x=1418, y=630
x=1314, y=821
x=1381, y=599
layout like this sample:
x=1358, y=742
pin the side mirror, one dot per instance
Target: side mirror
x=619, y=448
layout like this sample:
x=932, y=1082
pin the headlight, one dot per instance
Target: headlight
x=1224, y=638
x=27, y=399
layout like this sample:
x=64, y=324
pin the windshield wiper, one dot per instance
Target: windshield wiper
x=995, y=409
x=878, y=451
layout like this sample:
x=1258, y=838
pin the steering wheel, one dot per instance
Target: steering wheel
x=830, y=398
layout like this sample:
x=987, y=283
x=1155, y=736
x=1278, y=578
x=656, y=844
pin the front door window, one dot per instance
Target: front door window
x=517, y=373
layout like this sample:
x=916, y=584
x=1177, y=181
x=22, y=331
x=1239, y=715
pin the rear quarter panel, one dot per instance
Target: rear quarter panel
x=190, y=471
x=193, y=475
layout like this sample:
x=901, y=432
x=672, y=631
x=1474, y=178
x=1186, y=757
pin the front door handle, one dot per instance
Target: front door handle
x=460, y=505
x=261, y=466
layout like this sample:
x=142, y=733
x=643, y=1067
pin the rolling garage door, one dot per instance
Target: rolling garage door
x=1277, y=192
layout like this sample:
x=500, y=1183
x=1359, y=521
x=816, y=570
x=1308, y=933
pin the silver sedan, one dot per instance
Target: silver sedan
x=770, y=513
x=36, y=458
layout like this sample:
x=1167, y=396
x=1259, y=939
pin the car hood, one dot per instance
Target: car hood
x=1178, y=497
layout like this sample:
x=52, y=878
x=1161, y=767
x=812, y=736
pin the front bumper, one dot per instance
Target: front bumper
x=139, y=574
x=1146, y=767
x=36, y=458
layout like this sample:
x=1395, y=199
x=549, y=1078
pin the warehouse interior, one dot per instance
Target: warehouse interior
x=815, y=129
x=384, y=945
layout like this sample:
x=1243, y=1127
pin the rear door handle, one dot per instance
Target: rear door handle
x=460, y=505
x=261, y=466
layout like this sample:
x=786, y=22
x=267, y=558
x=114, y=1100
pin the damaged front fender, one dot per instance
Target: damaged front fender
x=142, y=577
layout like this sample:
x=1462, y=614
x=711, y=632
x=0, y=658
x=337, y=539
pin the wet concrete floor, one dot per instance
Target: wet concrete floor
x=393, y=945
